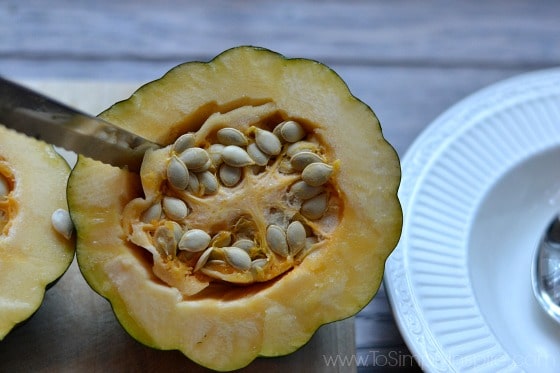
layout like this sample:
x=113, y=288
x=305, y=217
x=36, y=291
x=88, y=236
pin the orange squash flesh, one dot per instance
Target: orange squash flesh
x=225, y=326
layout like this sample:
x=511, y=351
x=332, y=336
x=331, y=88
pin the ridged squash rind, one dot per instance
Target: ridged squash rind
x=32, y=254
x=228, y=330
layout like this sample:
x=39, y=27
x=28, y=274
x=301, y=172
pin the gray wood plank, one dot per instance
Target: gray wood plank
x=518, y=33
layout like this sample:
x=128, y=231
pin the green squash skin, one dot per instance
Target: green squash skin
x=141, y=102
x=50, y=161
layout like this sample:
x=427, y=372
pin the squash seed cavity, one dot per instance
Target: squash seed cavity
x=240, y=204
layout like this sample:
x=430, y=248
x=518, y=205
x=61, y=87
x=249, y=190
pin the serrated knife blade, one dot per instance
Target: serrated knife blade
x=46, y=119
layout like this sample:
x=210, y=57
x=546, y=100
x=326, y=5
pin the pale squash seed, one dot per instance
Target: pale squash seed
x=202, y=171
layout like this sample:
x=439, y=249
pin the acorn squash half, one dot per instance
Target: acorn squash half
x=270, y=211
x=33, y=253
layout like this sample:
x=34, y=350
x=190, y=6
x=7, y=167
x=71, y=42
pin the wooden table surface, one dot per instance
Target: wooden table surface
x=409, y=60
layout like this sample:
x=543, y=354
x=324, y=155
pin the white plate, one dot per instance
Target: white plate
x=478, y=187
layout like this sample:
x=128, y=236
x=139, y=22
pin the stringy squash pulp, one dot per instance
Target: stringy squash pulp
x=269, y=211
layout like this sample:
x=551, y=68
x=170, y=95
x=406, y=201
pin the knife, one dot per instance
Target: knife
x=43, y=118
